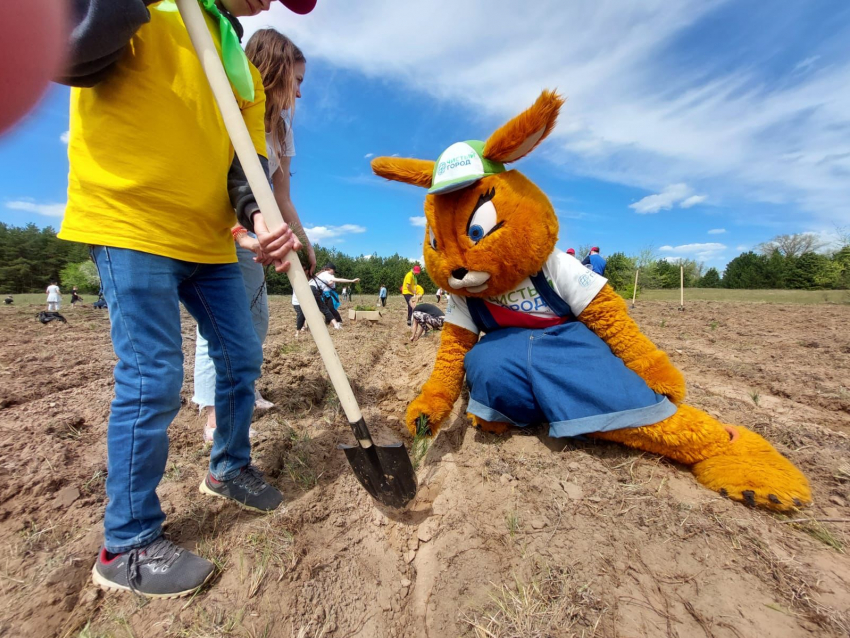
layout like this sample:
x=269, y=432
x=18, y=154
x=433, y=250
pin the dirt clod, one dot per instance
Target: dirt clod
x=66, y=497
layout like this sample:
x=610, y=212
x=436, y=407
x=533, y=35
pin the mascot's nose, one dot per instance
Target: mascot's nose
x=459, y=273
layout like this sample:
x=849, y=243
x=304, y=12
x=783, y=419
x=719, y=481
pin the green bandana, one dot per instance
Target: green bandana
x=232, y=55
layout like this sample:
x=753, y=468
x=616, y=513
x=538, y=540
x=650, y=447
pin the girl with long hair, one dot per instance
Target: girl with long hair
x=282, y=66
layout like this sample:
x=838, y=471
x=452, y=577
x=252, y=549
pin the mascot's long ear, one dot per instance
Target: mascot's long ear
x=522, y=134
x=402, y=169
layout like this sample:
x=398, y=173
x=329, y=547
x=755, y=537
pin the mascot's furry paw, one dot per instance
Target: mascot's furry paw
x=493, y=427
x=433, y=406
x=752, y=471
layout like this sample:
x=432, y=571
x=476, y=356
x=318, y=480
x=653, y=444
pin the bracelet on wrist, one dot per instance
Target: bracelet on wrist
x=238, y=231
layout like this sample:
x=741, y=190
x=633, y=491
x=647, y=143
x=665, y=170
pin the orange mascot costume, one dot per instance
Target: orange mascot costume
x=558, y=344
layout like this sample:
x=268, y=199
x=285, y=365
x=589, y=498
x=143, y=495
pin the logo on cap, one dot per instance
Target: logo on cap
x=460, y=165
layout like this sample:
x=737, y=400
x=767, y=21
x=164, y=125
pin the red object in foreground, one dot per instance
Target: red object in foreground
x=31, y=50
x=300, y=6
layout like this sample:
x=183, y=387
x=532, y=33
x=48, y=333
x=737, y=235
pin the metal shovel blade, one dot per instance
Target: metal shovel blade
x=385, y=471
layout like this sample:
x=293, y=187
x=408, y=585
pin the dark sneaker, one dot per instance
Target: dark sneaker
x=248, y=488
x=159, y=570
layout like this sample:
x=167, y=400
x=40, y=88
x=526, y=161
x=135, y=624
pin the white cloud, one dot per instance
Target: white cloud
x=705, y=251
x=741, y=247
x=368, y=155
x=48, y=210
x=65, y=137
x=319, y=234
x=638, y=113
x=418, y=221
x=665, y=200
x=693, y=201
x=717, y=231
x=805, y=65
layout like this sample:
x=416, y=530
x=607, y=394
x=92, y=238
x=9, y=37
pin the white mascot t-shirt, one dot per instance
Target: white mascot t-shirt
x=573, y=283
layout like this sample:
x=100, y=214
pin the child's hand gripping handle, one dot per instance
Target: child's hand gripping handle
x=242, y=143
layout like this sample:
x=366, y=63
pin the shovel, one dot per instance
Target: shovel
x=384, y=470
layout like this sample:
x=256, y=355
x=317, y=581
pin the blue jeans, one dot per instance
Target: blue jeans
x=254, y=278
x=144, y=292
x=563, y=375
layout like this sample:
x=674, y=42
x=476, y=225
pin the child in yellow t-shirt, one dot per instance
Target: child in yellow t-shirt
x=153, y=185
x=408, y=289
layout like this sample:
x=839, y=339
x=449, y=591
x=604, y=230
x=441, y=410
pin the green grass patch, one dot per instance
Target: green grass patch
x=750, y=296
x=35, y=298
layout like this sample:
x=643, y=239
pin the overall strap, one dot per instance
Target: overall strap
x=481, y=315
x=552, y=298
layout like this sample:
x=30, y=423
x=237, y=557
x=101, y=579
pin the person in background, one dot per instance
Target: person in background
x=571, y=251
x=282, y=66
x=325, y=282
x=142, y=114
x=408, y=290
x=439, y=294
x=54, y=297
x=382, y=296
x=425, y=317
x=321, y=302
x=595, y=261
x=75, y=297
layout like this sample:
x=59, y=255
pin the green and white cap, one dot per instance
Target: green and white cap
x=462, y=164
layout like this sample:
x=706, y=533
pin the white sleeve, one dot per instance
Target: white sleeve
x=574, y=283
x=289, y=140
x=288, y=145
x=274, y=163
x=457, y=312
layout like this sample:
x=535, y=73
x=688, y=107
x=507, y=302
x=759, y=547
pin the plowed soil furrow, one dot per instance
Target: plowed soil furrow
x=520, y=535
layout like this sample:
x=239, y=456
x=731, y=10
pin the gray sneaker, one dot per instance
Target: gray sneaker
x=248, y=488
x=159, y=570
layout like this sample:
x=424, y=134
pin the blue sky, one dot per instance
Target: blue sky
x=700, y=128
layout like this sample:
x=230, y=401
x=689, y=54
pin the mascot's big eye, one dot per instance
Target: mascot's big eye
x=483, y=220
x=431, y=239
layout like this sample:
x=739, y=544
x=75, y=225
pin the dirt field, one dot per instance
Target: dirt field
x=521, y=536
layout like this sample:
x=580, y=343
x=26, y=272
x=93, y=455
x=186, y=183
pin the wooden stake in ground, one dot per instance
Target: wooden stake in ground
x=634, y=292
x=681, y=287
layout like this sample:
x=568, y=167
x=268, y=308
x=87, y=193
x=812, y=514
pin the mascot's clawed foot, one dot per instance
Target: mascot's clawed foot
x=731, y=460
x=493, y=427
x=752, y=471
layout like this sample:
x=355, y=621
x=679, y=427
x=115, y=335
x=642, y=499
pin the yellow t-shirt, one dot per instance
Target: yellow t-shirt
x=149, y=153
x=409, y=285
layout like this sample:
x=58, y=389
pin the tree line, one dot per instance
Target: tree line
x=787, y=261
x=32, y=257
